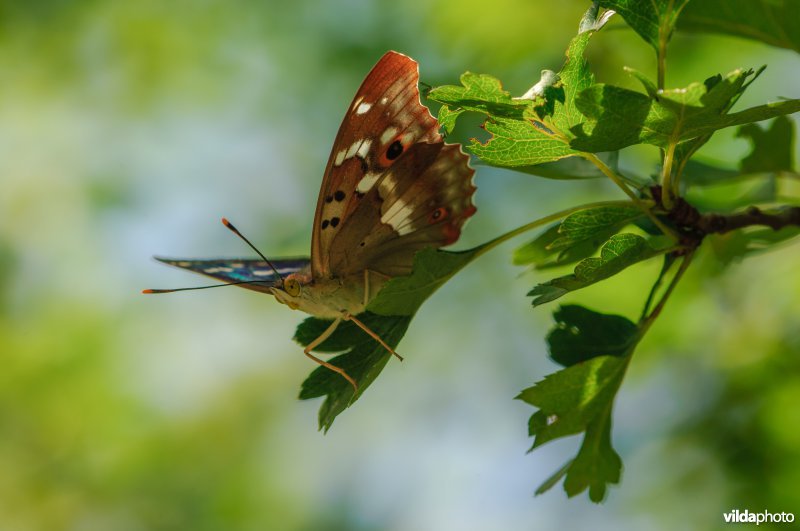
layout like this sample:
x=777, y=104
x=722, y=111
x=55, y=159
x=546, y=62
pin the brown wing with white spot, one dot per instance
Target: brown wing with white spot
x=421, y=201
x=385, y=120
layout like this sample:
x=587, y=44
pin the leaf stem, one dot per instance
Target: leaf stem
x=668, y=261
x=668, y=186
x=608, y=172
x=491, y=244
x=650, y=319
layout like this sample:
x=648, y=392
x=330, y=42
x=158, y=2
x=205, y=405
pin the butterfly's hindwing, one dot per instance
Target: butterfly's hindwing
x=242, y=270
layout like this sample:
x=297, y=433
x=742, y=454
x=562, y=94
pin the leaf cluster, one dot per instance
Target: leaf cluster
x=567, y=126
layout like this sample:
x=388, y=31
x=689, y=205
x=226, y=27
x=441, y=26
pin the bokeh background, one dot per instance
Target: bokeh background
x=127, y=129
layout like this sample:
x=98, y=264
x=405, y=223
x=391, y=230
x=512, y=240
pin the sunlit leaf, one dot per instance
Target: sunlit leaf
x=619, y=117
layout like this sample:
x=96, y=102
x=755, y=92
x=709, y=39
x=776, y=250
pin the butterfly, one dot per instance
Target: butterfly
x=391, y=187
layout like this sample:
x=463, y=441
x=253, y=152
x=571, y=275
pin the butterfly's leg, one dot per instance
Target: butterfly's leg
x=347, y=317
x=314, y=344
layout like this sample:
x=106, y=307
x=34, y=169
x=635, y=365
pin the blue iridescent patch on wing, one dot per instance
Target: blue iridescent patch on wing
x=242, y=270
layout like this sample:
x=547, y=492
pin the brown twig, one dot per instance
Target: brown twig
x=695, y=226
x=719, y=224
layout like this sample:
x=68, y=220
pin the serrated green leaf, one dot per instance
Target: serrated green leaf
x=653, y=20
x=593, y=223
x=597, y=464
x=618, y=117
x=480, y=93
x=773, y=147
x=571, y=398
x=619, y=252
x=363, y=359
x=516, y=143
x=581, y=334
x=447, y=118
x=775, y=22
x=526, y=132
x=537, y=253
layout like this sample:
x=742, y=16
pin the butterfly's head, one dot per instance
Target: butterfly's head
x=290, y=292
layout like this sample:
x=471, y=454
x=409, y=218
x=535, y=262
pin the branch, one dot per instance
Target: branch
x=720, y=224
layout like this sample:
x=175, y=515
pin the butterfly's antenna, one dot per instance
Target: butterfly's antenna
x=156, y=291
x=239, y=234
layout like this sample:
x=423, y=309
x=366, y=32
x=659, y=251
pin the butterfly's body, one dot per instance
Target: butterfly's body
x=330, y=298
x=392, y=187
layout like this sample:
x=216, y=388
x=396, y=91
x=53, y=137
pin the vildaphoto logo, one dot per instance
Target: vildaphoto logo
x=746, y=517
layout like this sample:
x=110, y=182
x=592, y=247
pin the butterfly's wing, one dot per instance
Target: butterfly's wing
x=422, y=201
x=391, y=186
x=242, y=270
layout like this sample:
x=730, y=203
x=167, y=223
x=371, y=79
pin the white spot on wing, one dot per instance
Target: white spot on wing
x=363, y=107
x=363, y=150
x=339, y=158
x=367, y=182
x=353, y=149
x=397, y=215
x=388, y=135
x=262, y=272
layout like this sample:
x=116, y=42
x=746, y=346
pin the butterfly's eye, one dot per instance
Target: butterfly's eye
x=292, y=287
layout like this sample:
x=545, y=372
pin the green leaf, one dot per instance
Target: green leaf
x=735, y=246
x=479, y=93
x=577, y=237
x=571, y=398
x=525, y=132
x=432, y=268
x=597, y=464
x=775, y=22
x=653, y=20
x=773, y=147
x=517, y=143
x=388, y=315
x=728, y=196
x=447, y=118
x=538, y=253
x=619, y=252
x=581, y=334
x=619, y=117
x=593, y=222
x=363, y=359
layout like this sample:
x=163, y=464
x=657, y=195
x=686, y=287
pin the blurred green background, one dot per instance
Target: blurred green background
x=128, y=129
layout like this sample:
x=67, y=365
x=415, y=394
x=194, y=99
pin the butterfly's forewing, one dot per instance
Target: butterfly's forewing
x=244, y=270
x=385, y=110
